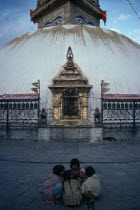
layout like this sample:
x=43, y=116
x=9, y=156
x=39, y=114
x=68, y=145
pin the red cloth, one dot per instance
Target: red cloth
x=104, y=16
x=31, y=11
x=34, y=21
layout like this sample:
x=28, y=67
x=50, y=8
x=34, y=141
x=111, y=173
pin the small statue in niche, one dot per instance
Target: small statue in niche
x=43, y=116
x=97, y=115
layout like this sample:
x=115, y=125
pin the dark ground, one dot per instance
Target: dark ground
x=25, y=165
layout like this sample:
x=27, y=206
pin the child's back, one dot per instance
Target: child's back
x=72, y=191
x=92, y=184
x=49, y=186
x=52, y=187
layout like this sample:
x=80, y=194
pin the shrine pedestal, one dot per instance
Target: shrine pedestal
x=82, y=133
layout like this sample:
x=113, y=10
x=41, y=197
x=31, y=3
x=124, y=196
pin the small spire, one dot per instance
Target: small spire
x=70, y=65
x=69, y=54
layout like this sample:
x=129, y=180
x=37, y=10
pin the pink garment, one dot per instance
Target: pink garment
x=49, y=185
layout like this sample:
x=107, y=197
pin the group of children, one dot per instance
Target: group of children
x=72, y=185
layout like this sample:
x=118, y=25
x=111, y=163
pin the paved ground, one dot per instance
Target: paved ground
x=25, y=165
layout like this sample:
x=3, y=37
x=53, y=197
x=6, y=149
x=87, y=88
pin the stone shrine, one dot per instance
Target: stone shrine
x=70, y=95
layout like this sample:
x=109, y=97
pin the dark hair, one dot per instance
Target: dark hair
x=75, y=161
x=90, y=171
x=58, y=169
x=67, y=175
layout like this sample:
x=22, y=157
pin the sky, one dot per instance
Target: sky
x=15, y=18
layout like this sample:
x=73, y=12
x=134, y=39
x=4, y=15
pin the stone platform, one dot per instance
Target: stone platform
x=81, y=133
x=45, y=134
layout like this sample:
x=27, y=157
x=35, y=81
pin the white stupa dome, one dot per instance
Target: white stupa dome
x=101, y=54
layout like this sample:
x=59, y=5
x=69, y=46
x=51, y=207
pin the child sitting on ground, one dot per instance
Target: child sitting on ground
x=52, y=187
x=72, y=190
x=76, y=172
x=91, y=187
x=75, y=168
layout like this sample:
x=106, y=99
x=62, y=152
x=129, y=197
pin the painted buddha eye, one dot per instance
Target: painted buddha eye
x=90, y=23
x=57, y=20
x=48, y=24
x=80, y=20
